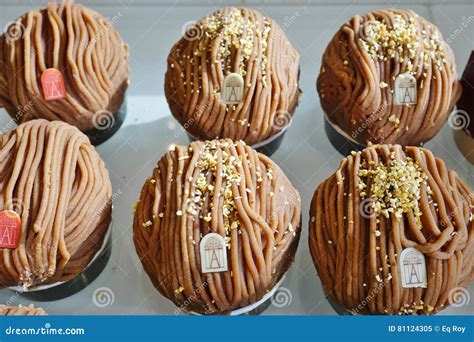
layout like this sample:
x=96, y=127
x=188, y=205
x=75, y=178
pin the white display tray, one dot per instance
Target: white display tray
x=306, y=156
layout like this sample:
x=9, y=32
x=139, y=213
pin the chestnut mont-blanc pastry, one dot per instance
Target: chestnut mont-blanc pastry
x=234, y=75
x=216, y=226
x=392, y=232
x=63, y=62
x=55, y=194
x=388, y=76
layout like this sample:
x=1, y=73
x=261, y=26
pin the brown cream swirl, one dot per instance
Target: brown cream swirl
x=233, y=40
x=54, y=179
x=358, y=71
x=80, y=43
x=222, y=187
x=29, y=310
x=414, y=201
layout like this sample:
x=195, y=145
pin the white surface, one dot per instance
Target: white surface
x=306, y=155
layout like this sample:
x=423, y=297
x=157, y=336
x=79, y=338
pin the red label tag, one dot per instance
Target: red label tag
x=53, y=84
x=10, y=223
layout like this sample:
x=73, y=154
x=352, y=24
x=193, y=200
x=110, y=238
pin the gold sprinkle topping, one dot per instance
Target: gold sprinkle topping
x=395, y=187
x=214, y=152
x=394, y=120
x=147, y=224
x=234, y=31
x=402, y=40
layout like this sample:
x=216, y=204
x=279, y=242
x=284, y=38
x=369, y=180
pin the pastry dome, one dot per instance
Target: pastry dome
x=378, y=203
x=21, y=311
x=53, y=178
x=233, y=40
x=83, y=46
x=222, y=187
x=357, y=84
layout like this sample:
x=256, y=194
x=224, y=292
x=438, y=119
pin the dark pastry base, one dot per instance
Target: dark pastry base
x=99, y=136
x=342, y=144
x=75, y=285
x=272, y=146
